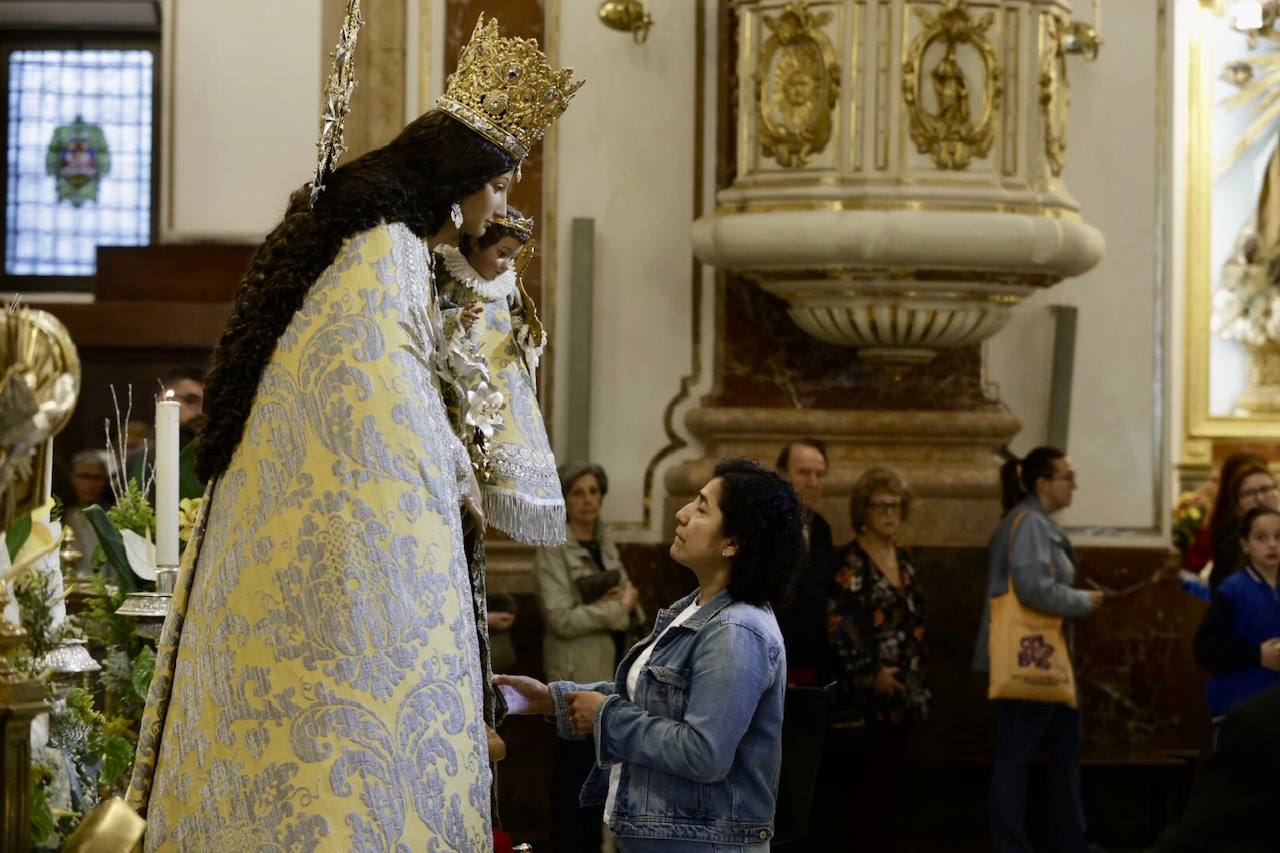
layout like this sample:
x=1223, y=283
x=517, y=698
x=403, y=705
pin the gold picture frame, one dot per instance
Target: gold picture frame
x=1201, y=426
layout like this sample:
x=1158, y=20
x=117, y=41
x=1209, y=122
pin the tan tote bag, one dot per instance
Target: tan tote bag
x=1029, y=655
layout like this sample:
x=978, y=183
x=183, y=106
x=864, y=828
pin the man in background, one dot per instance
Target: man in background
x=803, y=623
x=185, y=386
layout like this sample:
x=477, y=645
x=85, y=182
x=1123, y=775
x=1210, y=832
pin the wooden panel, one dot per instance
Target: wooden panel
x=199, y=272
x=193, y=326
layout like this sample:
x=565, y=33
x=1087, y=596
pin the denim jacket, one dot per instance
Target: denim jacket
x=1041, y=563
x=701, y=741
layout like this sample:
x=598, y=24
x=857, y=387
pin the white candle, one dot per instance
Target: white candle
x=166, y=483
x=48, y=472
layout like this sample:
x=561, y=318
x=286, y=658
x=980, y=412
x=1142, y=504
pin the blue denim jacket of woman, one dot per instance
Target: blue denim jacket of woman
x=700, y=742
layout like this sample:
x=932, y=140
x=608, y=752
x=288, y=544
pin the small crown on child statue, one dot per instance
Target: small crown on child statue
x=505, y=90
x=522, y=226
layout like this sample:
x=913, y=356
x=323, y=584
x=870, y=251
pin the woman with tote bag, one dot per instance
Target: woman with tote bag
x=1024, y=643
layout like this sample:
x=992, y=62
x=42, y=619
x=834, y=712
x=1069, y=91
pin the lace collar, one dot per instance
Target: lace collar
x=462, y=272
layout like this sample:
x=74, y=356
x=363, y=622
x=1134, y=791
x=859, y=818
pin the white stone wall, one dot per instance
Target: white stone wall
x=1118, y=422
x=240, y=106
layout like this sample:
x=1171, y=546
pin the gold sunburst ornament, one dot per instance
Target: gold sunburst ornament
x=337, y=98
x=39, y=383
x=505, y=90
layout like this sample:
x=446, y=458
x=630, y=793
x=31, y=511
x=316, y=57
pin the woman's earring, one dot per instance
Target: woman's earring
x=455, y=215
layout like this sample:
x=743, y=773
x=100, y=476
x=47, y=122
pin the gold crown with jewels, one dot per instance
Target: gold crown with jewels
x=505, y=90
x=522, y=226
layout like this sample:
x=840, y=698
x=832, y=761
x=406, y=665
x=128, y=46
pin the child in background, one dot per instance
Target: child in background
x=1239, y=640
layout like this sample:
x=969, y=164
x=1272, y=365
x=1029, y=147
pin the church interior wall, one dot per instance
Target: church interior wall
x=240, y=99
x=638, y=187
x=1119, y=401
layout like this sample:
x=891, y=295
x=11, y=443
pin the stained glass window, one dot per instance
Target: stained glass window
x=79, y=157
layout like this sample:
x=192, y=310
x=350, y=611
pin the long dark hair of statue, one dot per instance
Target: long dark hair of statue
x=414, y=179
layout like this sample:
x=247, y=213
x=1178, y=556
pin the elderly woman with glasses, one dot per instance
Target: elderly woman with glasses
x=876, y=632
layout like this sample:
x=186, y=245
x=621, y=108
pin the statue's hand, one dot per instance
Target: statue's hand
x=472, y=503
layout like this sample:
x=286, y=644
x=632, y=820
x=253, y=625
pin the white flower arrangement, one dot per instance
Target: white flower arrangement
x=1246, y=303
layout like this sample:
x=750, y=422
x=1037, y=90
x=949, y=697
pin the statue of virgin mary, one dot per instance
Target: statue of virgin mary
x=319, y=680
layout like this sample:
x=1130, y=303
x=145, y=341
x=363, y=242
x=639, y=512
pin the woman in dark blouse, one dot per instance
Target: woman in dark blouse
x=876, y=631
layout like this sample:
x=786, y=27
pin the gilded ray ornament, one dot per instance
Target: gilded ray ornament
x=949, y=133
x=797, y=84
x=338, y=91
x=1054, y=94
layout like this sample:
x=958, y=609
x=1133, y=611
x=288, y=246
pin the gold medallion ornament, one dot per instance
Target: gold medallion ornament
x=797, y=84
x=1054, y=93
x=505, y=90
x=949, y=133
x=39, y=384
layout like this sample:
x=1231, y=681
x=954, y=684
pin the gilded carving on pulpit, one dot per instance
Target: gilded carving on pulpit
x=797, y=85
x=1054, y=93
x=949, y=133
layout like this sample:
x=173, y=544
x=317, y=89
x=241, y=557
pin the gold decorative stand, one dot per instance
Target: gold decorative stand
x=1262, y=396
x=20, y=701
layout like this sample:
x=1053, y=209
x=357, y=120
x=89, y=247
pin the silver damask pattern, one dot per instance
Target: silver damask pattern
x=321, y=684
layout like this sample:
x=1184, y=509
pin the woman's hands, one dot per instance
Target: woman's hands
x=625, y=593
x=499, y=622
x=582, y=710
x=1269, y=654
x=525, y=695
x=886, y=681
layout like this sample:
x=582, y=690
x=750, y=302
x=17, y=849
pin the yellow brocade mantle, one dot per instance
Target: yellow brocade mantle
x=318, y=679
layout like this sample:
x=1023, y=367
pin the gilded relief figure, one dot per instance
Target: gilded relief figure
x=951, y=89
x=950, y=134
x=797, y=85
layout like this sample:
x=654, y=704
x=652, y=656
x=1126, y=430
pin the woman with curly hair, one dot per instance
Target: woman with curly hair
x=320, y=680
x=688, y=734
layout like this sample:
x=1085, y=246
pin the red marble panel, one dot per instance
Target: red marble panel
x=764, y=359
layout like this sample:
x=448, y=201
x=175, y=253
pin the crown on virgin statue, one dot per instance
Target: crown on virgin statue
x=505, y=90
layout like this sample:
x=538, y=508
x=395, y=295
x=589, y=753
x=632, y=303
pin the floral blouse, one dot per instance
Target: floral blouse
x=872, y=624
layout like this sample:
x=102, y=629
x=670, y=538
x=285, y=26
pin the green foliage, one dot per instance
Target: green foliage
x=16, y=536
x=132, y=511
x=34, y=593
x=112, y=546
x=144, y=669
x=43, y=826
x=98, y=741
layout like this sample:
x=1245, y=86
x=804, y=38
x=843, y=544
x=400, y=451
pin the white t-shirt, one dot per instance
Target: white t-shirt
x=633, y=676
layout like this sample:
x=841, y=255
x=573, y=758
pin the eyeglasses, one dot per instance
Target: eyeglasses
x=1070, y=477
x=885, y=506
x=1259, y=492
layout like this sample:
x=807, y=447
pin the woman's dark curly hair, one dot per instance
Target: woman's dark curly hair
x=414, y=179
x=763, y=515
